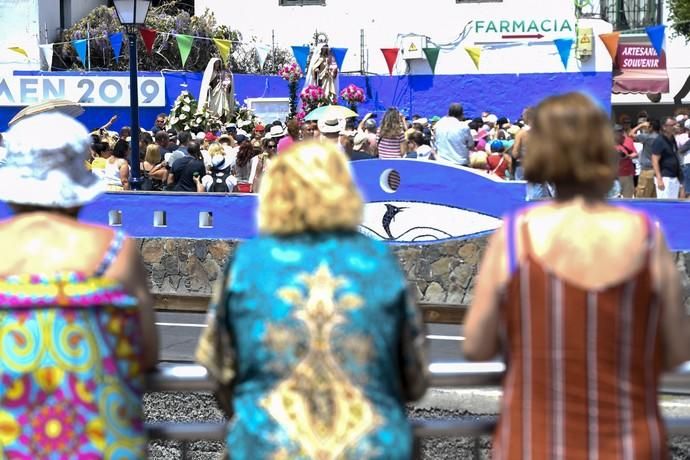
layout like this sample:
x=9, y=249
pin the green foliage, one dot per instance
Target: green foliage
x=680, y=15
x=166, y=19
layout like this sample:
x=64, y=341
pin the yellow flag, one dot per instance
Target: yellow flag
x=475, y=53
x=19, y=50
x=224, y=47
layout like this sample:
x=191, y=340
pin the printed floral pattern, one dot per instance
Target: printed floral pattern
x=70, y=385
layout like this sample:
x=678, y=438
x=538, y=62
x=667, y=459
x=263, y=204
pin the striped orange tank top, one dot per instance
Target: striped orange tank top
x=582, y=366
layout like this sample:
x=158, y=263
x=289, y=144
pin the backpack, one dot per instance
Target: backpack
x=219, y=177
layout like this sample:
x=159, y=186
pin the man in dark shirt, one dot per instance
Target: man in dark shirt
x=646, y=133
x=665, y=161
x=186, y=172
x=160, y=123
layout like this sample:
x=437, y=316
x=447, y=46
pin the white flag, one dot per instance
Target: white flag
x=262, y=51
x=46, y=55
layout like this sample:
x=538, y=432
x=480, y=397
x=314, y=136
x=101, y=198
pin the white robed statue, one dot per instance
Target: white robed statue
x=323, y=70
x=218, y=90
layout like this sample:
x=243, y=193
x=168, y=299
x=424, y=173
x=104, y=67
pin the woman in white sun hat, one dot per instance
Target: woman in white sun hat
x=76, y=321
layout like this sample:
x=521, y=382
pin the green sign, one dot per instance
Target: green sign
x=523, y=26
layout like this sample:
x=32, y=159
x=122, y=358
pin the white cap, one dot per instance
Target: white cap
x=687, y=124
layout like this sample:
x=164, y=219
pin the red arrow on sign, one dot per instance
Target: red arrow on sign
x=538, y=36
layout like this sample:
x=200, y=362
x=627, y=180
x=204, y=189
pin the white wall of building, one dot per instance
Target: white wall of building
x=385, y=22
x=77, y=9
x=49, y=20
x=19, y=28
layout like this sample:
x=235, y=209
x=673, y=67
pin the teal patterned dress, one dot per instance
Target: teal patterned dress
x=326, y=349
x=70, y=374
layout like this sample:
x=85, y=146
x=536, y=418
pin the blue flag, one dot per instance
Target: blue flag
x=80, y=48
x=301, y=55
x=339, y=55
x=656, y=35
x=116, y=44
x=564, y=46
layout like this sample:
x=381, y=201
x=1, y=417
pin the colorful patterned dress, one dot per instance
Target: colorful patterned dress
x=70, y=378
x=326, y=349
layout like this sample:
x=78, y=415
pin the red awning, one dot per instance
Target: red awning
x=638, y=69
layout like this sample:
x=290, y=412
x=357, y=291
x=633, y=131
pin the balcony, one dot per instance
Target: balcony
x=625, y=15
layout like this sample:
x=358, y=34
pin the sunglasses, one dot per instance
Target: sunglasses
x=271, y=146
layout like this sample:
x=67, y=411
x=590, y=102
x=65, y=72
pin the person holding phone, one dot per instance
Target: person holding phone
x=186, y=172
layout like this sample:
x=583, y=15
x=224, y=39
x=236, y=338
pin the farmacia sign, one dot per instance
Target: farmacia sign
x=524, y=26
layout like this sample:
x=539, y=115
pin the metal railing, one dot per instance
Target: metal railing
x=192, y=378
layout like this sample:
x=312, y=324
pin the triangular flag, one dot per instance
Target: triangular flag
x=611, y=43
x=116, y=44
x=564, y=46
x=224, y=47
x=391, y=55
x=656, y=35
x=20, y=50
x=432, y=57
x=184, y=45
x=262, y=53
x=339, y=55
x=80, y=48
x=149, y=36
x=301, y=55
x=47, y=55
x=475, y=53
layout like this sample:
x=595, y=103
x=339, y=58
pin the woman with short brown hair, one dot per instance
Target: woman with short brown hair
x=584, y=300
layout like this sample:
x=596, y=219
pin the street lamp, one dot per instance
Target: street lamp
x=132, y=15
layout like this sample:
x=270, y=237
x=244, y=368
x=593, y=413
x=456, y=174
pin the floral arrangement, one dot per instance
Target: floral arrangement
x=313, y=96
x=246, y=119
x=291, y=73
x=186, y=116
x=353, y=94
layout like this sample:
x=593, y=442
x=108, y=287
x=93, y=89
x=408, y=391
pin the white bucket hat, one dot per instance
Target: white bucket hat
x=45, y=166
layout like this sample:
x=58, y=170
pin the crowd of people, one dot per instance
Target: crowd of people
x=313, y=358
x=653, y=155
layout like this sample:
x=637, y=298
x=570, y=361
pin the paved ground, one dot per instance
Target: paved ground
x=179, y=334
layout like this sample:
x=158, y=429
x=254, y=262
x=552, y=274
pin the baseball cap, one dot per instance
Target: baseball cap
x=496, y=146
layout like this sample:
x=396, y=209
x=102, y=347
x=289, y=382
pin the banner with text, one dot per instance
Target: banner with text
x=638, y=69
x=20, y=90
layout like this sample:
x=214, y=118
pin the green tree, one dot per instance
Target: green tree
x=680, y=15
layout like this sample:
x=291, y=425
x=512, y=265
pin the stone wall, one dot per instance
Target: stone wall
x=443, y=273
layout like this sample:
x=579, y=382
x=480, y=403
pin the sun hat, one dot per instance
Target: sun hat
x=359, y=140
x=421, y=121
x=65, y=106
x=200, y=136
x=491, y=119
x=48, y=170
x=331, y=126
x=513, y=130
x=275, y=132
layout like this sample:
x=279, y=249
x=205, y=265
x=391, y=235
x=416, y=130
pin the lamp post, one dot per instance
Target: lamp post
x=132, y=15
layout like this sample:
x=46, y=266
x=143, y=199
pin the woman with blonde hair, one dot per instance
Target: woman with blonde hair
x=391, y=141
x=583, y=298
x=153, y=171
x=320, y=359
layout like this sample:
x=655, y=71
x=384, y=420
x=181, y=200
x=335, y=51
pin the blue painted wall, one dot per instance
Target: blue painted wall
x=427, y=95
x=425, y=182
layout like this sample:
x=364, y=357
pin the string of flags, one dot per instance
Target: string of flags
x=564, y=47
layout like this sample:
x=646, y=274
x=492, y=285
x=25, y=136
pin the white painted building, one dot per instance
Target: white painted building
x=451, y=24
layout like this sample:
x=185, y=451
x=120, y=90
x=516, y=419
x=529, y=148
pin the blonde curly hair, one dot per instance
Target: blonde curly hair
x=309, y=188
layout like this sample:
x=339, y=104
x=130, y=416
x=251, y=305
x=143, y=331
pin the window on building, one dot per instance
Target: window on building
x=302, y=2
x=632, y=14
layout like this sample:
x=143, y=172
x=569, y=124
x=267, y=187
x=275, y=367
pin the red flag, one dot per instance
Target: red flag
x=149, y=36
x=391, y=55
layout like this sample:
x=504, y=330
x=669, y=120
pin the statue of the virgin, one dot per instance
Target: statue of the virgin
x=218, y=90
x=323, y=69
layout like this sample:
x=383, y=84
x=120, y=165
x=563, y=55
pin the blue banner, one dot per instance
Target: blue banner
x=656, y=35
x=301, y=55
x=339, y=55
x=116, y=44
x=564, y=46
x=80, y=48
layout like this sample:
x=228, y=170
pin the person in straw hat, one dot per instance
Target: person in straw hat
x=76, y=320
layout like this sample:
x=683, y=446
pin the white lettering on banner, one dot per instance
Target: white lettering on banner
x=641, y=64
x=113, y=91
x=639, y=51
x=523, y=26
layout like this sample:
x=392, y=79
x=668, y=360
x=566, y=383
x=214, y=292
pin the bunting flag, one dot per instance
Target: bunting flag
x=224, y=47
x=46, y=55
x=564, y=46
x=262, y=53
x=116, y=44
x=432, y=57
x=184, y=45
x=391, y=55
x=611, y=42
x=656, y=35
x=339, y=55
x=80, y=48
x=301, y=55
x=475, y=53
x=19, y=50
x=149, y=36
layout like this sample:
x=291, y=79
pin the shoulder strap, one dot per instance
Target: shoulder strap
x=509, y=225
x=111, y=253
